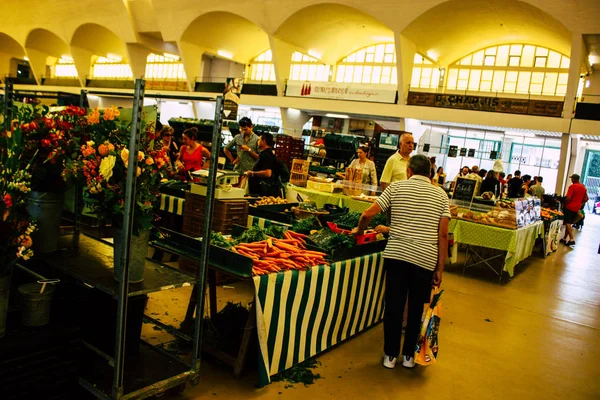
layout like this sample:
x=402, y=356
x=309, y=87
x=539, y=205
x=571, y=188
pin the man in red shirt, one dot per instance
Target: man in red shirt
x=575, y=200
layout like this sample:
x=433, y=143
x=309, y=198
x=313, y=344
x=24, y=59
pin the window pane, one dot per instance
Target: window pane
x=466, y=61
x=357, y=74
x=352, y=57
x=491, y=51
x=366, y=78
x=550, y=83
x=541, y=51
x=379, y=53
x=514, y=61
x=509, y=87
x=312, y=72
x=389, y=58
x=502, y=56
x=339, y=74
x=554, y=60
x=511, y=76
x=418, y=59
x=498, y=82
x=523, y=83
x=370, y=57
x=561, y=90
x=540, y=62
x=463, y=74
x=563, y=78
x=452, y=78
x=537, y=77
x=489, y=60
x=394, y=79
x=474, y=79
x=416, y=77
x=376, y=75
x=389, y=48
x=516, y=49
x=435, y=77
x=487, y=75
x=527, y=58
x=565, y=62
x=348, y=74
x=478, y=58
x=360, y=56
x=535, y=88
x=485, y=86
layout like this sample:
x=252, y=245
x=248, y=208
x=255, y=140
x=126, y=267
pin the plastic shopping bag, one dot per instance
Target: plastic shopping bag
x=427, y=344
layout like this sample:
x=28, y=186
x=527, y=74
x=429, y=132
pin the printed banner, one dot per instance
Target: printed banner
x=342, y=91
x=481, y=103
x=231, y=101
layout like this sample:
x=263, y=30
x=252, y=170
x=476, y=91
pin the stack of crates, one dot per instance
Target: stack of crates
x=299, y=172
x=226, y=213
x=287, y=148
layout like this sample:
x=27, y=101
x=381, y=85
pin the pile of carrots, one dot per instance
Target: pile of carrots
x=275, y=255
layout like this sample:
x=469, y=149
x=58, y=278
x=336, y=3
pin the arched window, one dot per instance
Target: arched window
x=372, y=64
x=164, y=68
x=110, y=68
x=308, y=68
x=424, y=73
x=65, y=68
x=514, y=68
x=262, y=68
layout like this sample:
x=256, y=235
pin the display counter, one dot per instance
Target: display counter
x=338, y=199
x=515, y=245
x=302, y=313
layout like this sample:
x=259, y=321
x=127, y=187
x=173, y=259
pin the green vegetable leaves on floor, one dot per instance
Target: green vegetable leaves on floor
x=301, y=373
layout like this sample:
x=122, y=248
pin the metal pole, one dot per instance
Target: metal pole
x=134, y=140
x=8, y=98
x=77, y=201
x=210, y=193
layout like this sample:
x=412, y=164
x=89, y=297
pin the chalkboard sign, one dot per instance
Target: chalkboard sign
x=463, y=152
x=493, y=155
x=426, y=147
x=471, y=152
x=464, y=189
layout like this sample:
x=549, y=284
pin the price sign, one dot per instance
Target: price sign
x=471, y=152
x=452, y=151
x=464, y=189
x=463, y=152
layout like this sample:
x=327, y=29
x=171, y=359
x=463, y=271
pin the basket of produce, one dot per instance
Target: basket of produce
x=369, y=236
x=308, y=209
x=270, y=200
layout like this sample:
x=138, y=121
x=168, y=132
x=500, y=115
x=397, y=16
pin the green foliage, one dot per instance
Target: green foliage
x=300, y=373
x=306, y=225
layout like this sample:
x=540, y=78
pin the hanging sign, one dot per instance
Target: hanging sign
x=426, y=147
x=463, y=152
x=231, y=98
x=342, y=91
x=471, y=152
x=453, y=151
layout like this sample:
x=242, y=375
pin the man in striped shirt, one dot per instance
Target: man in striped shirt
x=414, y=256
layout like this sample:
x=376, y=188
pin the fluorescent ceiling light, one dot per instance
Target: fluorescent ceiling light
x=593, y=59
x=67, y=58
x=225, y=54
x=114, y=57
x=26, y=58
x=336, y=116
x=315, y=54
x=171, y=56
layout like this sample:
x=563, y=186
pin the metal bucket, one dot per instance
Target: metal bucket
x=138, y=251
x=46, y=209
x=36, y=305
x=4, y=292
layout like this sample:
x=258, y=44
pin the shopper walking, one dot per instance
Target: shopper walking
x=396, y=166
x=246, y=144
x=414, y=255
x=575, y=200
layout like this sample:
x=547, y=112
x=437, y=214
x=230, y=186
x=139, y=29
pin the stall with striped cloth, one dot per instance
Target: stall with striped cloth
x=302, y=313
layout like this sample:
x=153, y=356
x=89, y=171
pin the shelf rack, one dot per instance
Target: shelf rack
x=151, y=371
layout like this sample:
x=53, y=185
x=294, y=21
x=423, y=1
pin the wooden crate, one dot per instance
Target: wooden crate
x=299, y=172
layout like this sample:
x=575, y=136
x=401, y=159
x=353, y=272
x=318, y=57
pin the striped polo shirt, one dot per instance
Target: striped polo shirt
x=417, y=207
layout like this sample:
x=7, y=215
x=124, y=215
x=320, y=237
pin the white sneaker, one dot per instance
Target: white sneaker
x=408, y=362
x=389, y=361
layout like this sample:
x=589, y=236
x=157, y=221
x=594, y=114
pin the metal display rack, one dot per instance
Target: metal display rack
x=151, y=371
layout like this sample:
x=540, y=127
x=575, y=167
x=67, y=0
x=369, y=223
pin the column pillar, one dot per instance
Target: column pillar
x=282, y=61
x=577, y=55
x=563, y=164
x=405, y=58
x=293, y=120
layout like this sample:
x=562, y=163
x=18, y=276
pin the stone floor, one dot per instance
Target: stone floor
x=536, y=336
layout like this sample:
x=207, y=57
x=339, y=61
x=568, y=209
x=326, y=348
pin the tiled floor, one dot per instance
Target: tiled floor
x=536, y=336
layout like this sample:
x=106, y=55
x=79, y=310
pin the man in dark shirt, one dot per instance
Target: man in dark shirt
x=264, y=177
x=515, y=185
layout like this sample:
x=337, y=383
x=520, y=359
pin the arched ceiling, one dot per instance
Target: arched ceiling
x=333, y=30
x=47, y=42
x=227, y=31
x=10, y=46
x=98, y=40
x=456, y=28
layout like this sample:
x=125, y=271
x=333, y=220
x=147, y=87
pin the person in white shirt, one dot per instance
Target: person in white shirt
x=396, y=166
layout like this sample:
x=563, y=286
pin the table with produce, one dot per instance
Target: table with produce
x=314, y=286
x=510, y=227
x=354, y=203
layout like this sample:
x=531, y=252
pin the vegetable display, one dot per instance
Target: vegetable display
x=306, y=225
x=263, y=201
x=276, y=255
x=351, y=219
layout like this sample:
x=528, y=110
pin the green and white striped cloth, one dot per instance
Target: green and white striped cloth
x=172, y=204
x=302, y=313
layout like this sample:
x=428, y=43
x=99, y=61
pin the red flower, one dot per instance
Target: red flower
x=45, y=143
x=49, y=123
x=25, y=127
x=8, y=200
x=33, y=125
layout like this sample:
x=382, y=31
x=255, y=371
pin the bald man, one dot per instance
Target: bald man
x=396, y=166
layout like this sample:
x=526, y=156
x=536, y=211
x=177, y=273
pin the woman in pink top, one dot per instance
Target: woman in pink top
x=192, y=153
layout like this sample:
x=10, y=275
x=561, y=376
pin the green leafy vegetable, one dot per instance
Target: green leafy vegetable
x=275, y=231
x=306, y=225
x=219, y=240
x=253, y=234
x=379, y=219
x=351, y=219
